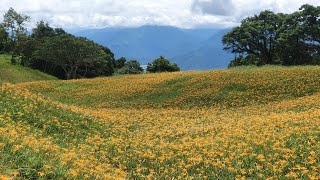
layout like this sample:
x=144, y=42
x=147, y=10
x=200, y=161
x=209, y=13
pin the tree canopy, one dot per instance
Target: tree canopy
x=119, y=63
x=130, y=67
x=56, y=52
x=162, y=64
x=52, y=50
x=43, y=30
x=15, y=24
x=71, y=53
x=270, y=38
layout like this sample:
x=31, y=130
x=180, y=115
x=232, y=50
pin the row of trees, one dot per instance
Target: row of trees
x=270, y=38
x=160, y=64
x=54, y=51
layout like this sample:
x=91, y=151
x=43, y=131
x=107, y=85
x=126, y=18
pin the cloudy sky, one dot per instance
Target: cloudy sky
x=131, y=13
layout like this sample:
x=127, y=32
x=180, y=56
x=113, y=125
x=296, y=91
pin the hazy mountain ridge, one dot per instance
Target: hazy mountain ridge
x=210, y=55
x=192, y=49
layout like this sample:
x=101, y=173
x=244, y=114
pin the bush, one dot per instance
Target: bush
x=316, y=60
x=15, y=59
x=162, y=65
x=130, y=67
x=245, y=61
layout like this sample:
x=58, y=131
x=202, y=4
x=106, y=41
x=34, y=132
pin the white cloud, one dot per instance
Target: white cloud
x=180, y=13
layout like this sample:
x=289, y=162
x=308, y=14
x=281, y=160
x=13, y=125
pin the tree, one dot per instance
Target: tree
x=14, y=23
x=119, y=63
x=99, y=67
x=42, y=30
x=109, y=67
x=60, y=31
x=130, y=67
x=249, y=60
x=3, y=38
x=291, y=48
x=58, y=53
x=27, y=48
x=256, y=35
x=162, y=65
x=311, y=26
x=28, y=45
x=310, y=19
x=70, y=53
x=287, y=39
x=299, y=40
x=24, y=49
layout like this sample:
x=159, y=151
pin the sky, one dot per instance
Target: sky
x=133, y=13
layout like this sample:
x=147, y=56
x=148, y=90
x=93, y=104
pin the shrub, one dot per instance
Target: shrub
x=130, y=67
x=162, y=65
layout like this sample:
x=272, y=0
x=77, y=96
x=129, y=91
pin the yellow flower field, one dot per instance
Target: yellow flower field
x=227, y=124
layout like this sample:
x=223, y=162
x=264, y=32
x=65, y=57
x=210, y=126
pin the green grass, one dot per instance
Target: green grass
x=10, y=73
x=170, y=89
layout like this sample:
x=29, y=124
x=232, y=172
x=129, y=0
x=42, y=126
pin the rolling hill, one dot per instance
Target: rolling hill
x=254, y=123
x=192, y=49
x=16, y=74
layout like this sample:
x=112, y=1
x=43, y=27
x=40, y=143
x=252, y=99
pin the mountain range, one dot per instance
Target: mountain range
x=191, y=49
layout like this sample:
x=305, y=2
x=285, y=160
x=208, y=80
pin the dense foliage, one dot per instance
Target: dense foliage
x=122, y=66
x=52, y=50
x=270, y=38
x=75, y=56
x=162, y=65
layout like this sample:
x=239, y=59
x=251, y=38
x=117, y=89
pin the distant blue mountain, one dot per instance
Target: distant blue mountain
x=191, y=49
x=210, y=55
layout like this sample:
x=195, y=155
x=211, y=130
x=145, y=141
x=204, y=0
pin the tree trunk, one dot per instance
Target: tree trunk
x=74, y=73
x=68, y=75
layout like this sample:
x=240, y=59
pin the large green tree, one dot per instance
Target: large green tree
x=24, y=49
x=99, y=67
x=43, y=30
x=310, y=19
x=58, y=53
x=52, y=50
x=256, y=35
x=15, y=24
x=71, y=53
x=27, y=46
x=300, y=36
x=287, y=39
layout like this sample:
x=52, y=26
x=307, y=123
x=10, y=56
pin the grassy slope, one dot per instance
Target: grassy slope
x=224, y=88
x=254, y=123
x=16, y=74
